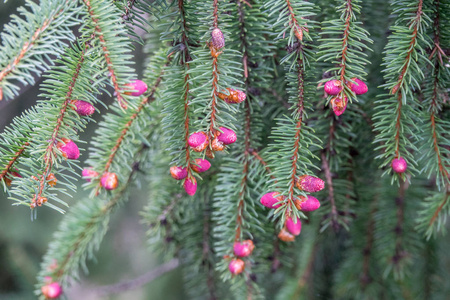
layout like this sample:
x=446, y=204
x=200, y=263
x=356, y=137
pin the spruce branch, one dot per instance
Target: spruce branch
x=328, y=179
x=27, y=42
x=49, y=153
x=11, y=162
x=122, y=126
x=80, y=234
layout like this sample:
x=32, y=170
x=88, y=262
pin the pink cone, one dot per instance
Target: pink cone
x=139, y=86
x=178, y=173
x=333, y=87
x=236, y=266
x=269, y=200
x=190, y=186
x=310, y=184
x=68, y=149
x=244, y=248
x=227, y=136
x=109, y=181
x=309, y=203
x=198, y=141
x=88, y=174
x=338, y=105
x=294, y=228
x=241, y=96
x=201, y=165
x=359, y=87
x=83, y=108
x=217, y=38
x=52, y=290
x=399, y=165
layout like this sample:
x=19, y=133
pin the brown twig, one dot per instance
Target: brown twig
x=300, y=107
x=438, y=210
x=247, y=133
x=294, y=23
x=343, y=65
x=365, y=278
x=121, y=287
x=117, y=89
x=13, y=160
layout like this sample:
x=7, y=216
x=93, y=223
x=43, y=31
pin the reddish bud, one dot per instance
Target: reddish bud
x=333, y=87
x=138, y=86
x=309, y=203
x=109, y=181
x=68, y=149
x=217, y=145
x=190, y=186
x=399, y=165
x=234, y=97
x=285, y=236
x=359, y=87
x=236, y=266
x=270, y=199
x=217, y=38
x=51, y=179
x=294, y=227
x=310, y=184
x=41, y=200
x=83, y=108
x=201, y=165
x=227, y=136
x=52, y=290
x=178, y=173
x=244, y=248
x=88, y=174
x=338, y=105
x=198, y=141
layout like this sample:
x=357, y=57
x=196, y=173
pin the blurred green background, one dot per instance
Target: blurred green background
x=123, y=254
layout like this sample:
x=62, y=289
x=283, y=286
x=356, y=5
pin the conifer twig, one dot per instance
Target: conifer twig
x=397, y=88
x=329, y=181
x=215, y=75
x=27, y=46
x=111, y=70
x=365, y=278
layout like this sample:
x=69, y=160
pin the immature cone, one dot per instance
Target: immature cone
x=68, y=149
x=217, y=39
x=83, y=108
x=269, y=200
x=244, y=248
x=285, y=236
x=51, y=290
x=109, y=181
x=359, y=87
x=310, y=184
x=399, y=165
x=190, y=186
x=201, y=165
x=139, y=86
x=198, y=141
x=294, y=227
x=227, y=136
x=234, y=97
x=333, y=87
x=217, y=145
x=178, y=173
x=339, y=105
x=236, y=266
x=309, y=203
x=88, y=174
